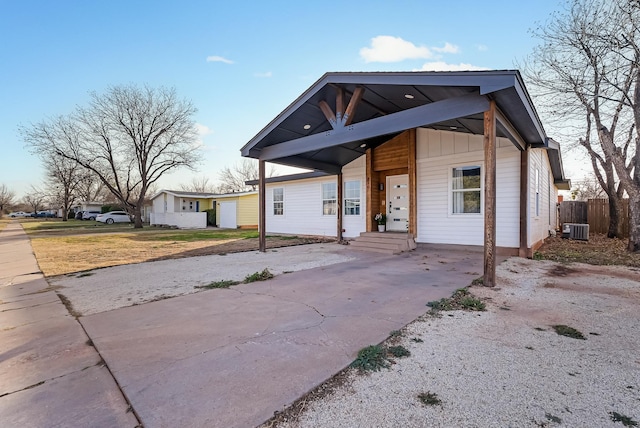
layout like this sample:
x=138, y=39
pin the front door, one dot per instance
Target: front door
x=398, y=203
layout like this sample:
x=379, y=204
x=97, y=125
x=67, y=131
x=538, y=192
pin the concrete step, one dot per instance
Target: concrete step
x=383, y=250
x=373, y=241
x=388, y=235
x=384, y=242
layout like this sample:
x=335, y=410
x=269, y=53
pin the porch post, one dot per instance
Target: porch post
x=489, y=279
x=413, y=188
x=262, y=201
x=339, y=207
x=370, y=190
x=524, y=202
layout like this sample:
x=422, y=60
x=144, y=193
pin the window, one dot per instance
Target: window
x=351, y=198
x=329, y=198
x=466, y=190
x=537, y=192
x=278, y=201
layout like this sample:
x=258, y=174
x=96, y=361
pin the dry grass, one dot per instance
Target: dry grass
x=66, y=252
x=599, y=250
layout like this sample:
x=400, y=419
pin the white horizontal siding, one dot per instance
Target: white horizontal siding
x=303, y=206
x=438, y=152
x=542, y=222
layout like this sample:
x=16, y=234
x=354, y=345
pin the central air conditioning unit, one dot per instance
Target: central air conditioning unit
x=575, y=231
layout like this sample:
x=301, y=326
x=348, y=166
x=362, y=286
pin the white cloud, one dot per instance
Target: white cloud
x=216, y=58
x=448, y=48
x=443, y=66
x=393, y=49
x=267, y=74
x=203, y=129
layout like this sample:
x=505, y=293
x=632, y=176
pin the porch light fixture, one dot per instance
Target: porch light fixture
x=307, y=126
x=408, y=96
x=453, y=128
x=363, y=145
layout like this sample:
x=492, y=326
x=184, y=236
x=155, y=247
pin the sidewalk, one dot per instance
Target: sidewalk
x=50, y=373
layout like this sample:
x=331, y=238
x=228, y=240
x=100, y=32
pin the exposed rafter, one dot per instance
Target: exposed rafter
x=447, y=109
x=341, y=117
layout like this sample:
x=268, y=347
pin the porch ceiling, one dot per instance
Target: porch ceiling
x=385, y=105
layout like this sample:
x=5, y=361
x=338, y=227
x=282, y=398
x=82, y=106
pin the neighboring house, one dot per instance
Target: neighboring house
x=87, y=206
x=421, y=147
x=237, y=210
x=185, y=210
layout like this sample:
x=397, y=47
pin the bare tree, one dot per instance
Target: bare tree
x=35, y=199
x=234, y=178
x=7, y=198
x=128, y=137
x=587, y=188
x=584, y=86
x=199, y=184
x=90, y=188
x=65, y=177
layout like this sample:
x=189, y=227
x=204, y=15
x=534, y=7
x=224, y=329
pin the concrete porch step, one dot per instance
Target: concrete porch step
x=384, y=242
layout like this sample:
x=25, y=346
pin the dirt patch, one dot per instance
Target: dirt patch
x=560, y=270
x=598, y=250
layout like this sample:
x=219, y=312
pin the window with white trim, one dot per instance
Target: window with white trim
x=537, y=192
x=329, y=198
x=466, y=195
x=278, y=201
x=352, y=198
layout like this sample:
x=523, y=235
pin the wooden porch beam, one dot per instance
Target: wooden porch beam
x=262, y=202
x=353, y=104
x=524, y=202
x=413, y=188
x=328, y=113
x=339, y=104
x=451, y=108
x=489, y=279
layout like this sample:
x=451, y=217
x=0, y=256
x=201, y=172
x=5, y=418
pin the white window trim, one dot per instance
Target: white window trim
x=322, y=199
x=537, y=192
x=344, y=198
x=273, y=202
x=450, y=192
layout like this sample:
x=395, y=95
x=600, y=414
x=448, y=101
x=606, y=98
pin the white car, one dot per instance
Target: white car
x=89, y=215
x=113, y=217
x=19, y=214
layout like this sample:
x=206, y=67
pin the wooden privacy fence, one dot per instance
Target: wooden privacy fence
x=595, y=212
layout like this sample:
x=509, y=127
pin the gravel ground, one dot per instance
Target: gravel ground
x=119, y=286
x=506, y=367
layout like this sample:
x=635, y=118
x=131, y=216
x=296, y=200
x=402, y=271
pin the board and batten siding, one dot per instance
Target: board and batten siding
x=303, y=206
x=438, y=152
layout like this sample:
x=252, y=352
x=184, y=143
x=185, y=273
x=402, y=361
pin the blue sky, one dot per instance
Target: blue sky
x=239, y=62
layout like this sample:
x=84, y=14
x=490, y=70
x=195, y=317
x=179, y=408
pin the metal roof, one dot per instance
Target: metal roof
x=387, y=103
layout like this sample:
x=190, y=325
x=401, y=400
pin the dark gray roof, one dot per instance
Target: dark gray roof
x=390, y=103
x=290, y=177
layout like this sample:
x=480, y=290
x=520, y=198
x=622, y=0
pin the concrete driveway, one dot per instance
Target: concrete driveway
x=231, y=357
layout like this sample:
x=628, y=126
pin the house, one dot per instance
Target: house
x=451, y=157
x=237, y=210
x=87, y=206
x=185, y=210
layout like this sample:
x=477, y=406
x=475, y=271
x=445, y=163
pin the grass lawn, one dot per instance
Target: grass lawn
x=75, y=245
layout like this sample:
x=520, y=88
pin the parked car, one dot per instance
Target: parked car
x=19, y=214
x=45, y=214
x=78, y=215
x=113, y=217
x=90, y=215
